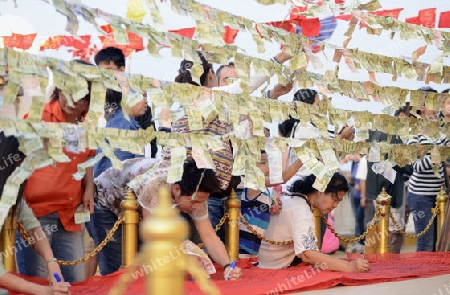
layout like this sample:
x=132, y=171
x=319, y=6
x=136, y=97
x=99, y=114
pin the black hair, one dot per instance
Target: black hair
x=338, y=183
x=145, y=121
x=110, y=54
x=230, y=64
x=305, y=95
x=285, y=128
x=9, y=152
x=193, y=175
x=425, y=89
x=113, y=101
x=57, y=92
x=428, y=89
x=164, y=129
x=184, y=73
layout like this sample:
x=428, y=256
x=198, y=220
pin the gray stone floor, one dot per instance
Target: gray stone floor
x=439, y=285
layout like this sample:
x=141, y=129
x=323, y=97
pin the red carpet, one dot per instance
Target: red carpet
x=302, y=278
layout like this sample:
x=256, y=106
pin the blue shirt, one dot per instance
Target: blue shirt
x=118, y=121
x=257, y=213
x=356, y=181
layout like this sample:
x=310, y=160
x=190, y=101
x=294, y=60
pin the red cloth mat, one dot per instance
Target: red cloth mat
x=387, y=268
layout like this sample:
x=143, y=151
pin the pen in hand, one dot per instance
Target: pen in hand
x=362, y=255
x=232, y=266
x=57, y=277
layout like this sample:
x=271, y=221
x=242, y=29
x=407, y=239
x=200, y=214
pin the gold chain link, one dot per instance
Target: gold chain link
x=90, y=255
x=222, y=221
x=356, y=239
x=218, y=226
x=261, y=237
x=397, y=226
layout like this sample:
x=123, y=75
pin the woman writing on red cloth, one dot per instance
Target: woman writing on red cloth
x=296, y=222
x=10, y=146
x=54, y=195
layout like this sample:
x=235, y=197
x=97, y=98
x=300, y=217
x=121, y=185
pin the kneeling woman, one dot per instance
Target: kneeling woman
x=296, y=222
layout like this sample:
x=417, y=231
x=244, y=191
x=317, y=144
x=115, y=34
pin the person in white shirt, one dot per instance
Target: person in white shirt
x=296, y=222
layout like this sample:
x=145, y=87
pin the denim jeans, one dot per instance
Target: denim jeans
x=102, y=221
x=216, y=210
x=420, y=207
x=65, y=245
x=359, y=218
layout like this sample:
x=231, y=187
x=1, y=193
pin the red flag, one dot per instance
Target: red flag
x=310, y=27
x=346, y=17
x=285, y=25
x=444, y=20
x=52, y=43
x=135, y=42
x=413, y=20
x=85, y=53
x=56, y=42
x=19, y=41
x=107, y=29
x=187, y=32
x=391, y=12
x=229, y=35
x=427, y=17
x=81, y=43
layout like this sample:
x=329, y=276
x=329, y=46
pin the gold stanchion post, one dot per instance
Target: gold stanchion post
x=233, y=205
x=7, y=243
x=165, y=260
x=130, y=209
x=317, y=222
x=384, y=202
x=441, y=201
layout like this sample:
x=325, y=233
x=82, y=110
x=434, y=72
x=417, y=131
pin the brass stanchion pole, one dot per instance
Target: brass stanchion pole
x=7, y=249
x=441, y=201
x=130, y=224
x=165, y=261
x=384, y=201
x=317, y=223
x=233, y=205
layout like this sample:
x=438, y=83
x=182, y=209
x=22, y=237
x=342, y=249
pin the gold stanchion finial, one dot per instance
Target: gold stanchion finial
x=233, y=204
x=441, y=202
x=384, y=202
x=165, y=261
x=7, y=243
x=130, y=209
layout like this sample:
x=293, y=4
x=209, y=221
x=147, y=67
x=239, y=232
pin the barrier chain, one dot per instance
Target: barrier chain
x=260, y=236
x=356, y=239
x=398, y=227
x=218, y=226
x=88, y=256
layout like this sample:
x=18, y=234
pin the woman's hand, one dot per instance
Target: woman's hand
x=56, y=289
x=363, y=201
x=359, y=265
x=236, y=273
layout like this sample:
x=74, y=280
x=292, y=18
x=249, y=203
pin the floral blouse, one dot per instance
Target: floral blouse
x=150, y=174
